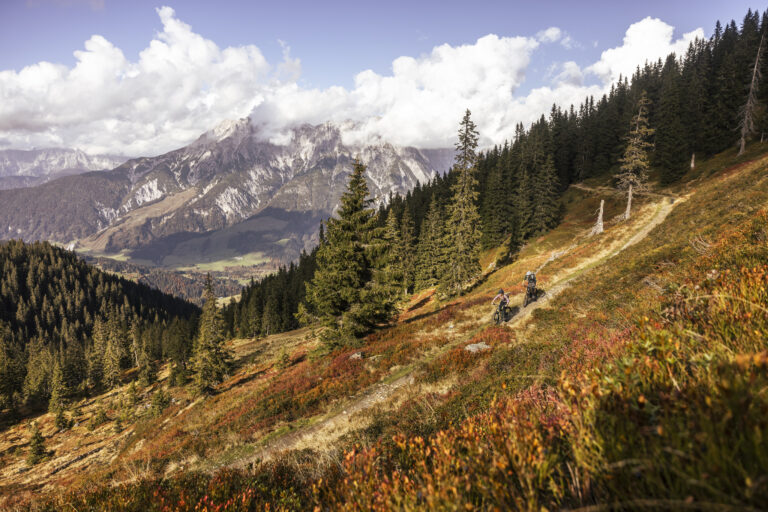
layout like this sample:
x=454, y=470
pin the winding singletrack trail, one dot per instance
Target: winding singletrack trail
x=321, y=434
x=663, y=209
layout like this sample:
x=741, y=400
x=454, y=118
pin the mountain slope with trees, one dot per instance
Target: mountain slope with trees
x=68, y=327
x=636, y=381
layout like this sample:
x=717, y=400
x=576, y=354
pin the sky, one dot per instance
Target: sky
x=140, y=78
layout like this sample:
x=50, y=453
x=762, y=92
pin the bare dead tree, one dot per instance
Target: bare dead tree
x=598, y=227
x=747, y=122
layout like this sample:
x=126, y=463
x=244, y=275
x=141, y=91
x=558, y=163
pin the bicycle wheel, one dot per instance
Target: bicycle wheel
x=496, y=317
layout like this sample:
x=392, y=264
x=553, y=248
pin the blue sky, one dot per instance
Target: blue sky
x=337, y=39
x=330, y=43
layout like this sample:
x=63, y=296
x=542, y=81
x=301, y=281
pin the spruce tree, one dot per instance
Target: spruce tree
x=114, y=352
x=671, y=152
x=211, y=359
x=59, y=392
x=431, y=251
x=463, y=240
x=36, y=446
x=146, y=364
x=393, y=263
x=408, y=241
x=348, y=293
x=633, y=174
x=95, y=355
x=546, y=207
x=11, y=367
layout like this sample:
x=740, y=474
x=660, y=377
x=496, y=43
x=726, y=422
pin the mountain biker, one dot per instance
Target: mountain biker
x=530, y=279
x=503, y=299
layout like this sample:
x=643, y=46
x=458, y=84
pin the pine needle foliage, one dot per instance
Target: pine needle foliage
x=211, y=359
x=350, y=292
x=634, y=164
x=463, y=233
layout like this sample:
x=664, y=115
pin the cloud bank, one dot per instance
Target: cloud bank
x=183, y=84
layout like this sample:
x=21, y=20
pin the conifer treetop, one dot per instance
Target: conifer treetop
x=466, y=146
x=634, y=164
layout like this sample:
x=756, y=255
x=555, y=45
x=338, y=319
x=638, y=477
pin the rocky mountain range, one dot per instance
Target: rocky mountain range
x=26, y=168
x=227, y=194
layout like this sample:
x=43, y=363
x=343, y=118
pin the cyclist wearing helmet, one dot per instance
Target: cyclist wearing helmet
x=502, y=297
x=530, y=279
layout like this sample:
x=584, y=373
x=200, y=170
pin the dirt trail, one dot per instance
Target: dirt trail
x=664, y=208
x=330, y=428
x=337, y=424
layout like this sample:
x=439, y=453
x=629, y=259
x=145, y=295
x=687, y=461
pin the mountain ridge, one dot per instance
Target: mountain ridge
x=25, y=168
x=234, y=173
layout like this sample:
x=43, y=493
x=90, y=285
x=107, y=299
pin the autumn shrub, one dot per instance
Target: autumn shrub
x=683, y=416
x=510, y=457
x=269, y=487
x=459, y=359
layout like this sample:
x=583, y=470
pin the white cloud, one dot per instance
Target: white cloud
x=647, y=40
x=420, y=102
x=570, y=73
x=183, y=84
x=550, y=35
x=554, y=35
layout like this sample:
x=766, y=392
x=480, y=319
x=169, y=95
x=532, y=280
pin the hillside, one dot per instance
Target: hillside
x=68, y=329
x=634, y=381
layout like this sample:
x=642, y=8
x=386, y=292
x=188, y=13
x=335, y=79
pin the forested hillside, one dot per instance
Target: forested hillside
x=695, y=109
x=67, y=326
x=632, y=375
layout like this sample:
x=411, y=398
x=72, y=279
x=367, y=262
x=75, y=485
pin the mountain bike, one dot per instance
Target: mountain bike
x=501, y=313
x=530, y=294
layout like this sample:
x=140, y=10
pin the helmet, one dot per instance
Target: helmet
x=501, y=292
x=529, y=273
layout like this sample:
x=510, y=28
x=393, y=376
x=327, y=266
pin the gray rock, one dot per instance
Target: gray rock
x=477, y=347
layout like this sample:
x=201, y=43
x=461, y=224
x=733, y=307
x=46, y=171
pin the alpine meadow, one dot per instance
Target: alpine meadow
x=423, y=291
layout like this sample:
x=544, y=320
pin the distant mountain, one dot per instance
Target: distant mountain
x=26, y=168
x=228, y=175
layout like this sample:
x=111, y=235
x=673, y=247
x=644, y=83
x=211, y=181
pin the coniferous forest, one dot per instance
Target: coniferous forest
x=67, y=328
x=637, y=382
x=694, y=104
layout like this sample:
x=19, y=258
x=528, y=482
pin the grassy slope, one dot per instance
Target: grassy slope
x=314, y=401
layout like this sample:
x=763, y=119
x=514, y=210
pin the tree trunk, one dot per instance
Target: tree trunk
x=748, y=122
x=599, y=224
x=693, y=161
x=629, y=203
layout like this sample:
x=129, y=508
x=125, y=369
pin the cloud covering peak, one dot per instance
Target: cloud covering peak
x=182, y=84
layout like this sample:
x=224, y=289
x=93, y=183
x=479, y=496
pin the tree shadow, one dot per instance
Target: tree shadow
x=242, y=380
x=419, y=304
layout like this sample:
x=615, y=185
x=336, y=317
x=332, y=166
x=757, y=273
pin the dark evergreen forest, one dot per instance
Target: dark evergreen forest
x=68, y=326
x=696, y=101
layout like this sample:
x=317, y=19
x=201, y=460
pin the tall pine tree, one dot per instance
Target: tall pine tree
x=211, y=359
x=671, y=152
x=431, y=251
x=348, y=293
x=633, y=174
x=463, y=240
